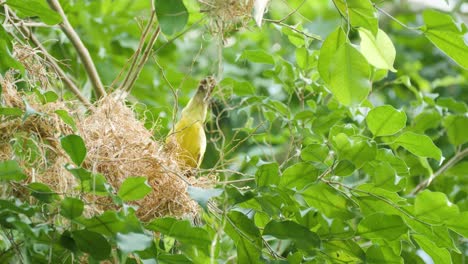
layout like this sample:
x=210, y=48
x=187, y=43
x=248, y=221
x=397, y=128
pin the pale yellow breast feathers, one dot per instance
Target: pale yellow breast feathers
x=189, y=134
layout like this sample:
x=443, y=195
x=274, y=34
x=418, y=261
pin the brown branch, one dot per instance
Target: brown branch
x=82, y=51
x=450, y=163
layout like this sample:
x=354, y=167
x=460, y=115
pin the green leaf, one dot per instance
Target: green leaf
x=10, y=171
x=344, y=168
x=7, y=60
x=452, y=105
x=327, y=200
x=438, y=255
x=267, y=174
x=202, y=196
x=385, y=120
x=329, y=47
x=130, y=242
x=92, y=243
x=344, y=251
x=300, y=235
x=71, y=208
x=378, y=50
x=10, y=111
x=315, y=152
x=459, y=223
x=246, y=235
x=66, y=118
x=258, y=56
x=456, y=126
x=134, y=188
x=108, y=223
x=356, y=149
x=42, y=192
x=172, y=15
x=441, y=30
x=182, y=231
x=419, y=145
x=361, y=13
x=239, y=226
x=299, y=175
x=349, y=76
x=75, y=148
x=383, y=226
x=434, y=207
x=438, y=234
x=377, y=255
x=33, y=8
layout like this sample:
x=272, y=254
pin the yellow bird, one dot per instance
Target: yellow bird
x=188, y=134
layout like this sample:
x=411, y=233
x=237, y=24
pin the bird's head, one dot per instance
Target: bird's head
x=205, y=87
x=198, y=105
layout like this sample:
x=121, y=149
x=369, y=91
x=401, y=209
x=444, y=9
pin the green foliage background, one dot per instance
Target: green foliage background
x=328, y=148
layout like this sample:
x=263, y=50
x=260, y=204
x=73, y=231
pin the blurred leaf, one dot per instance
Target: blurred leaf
x=459, y=223
x=7, y=60
x=10, y=171
x=258, y=56
x=349, y=75
x=452, y=105
x=134, y=188
x=388, y=227
x=378, y=50
x=33, y=8
x=172, y=15
x=202, y=196
x=299, y=176
x=438, y=255
x=355, y=149
x=327, y=200
x=66, y=118
x=10, y=111
x=71, y=208
x=300, y=235
x=328, y=50
x=377, y=254
x=445, y=35
x=455, y=124
x=42, y=192
x=344, y=168
x=131, y=242
x=182, y=231
x=434, y=207
x=108, y=223
x=385, y=120
x=267, y=174
x=75, y=148
x=315, y=152
x=419, y=145
x=361, y=13
x=92, y=243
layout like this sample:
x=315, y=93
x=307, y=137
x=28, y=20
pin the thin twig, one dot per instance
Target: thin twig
x=308, y=35
x=144, y=58
x=81, y=49
x=124, y=86
x=451, y=162
x=63, y=76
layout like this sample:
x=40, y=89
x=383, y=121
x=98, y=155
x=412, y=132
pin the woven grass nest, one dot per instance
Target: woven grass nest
x=118, y=146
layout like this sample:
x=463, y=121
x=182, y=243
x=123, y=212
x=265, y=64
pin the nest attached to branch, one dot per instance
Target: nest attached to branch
x=227, y=15
x=118, y=146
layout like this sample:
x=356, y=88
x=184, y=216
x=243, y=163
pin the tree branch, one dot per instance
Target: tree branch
x=450, y=163
x=80, y=48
